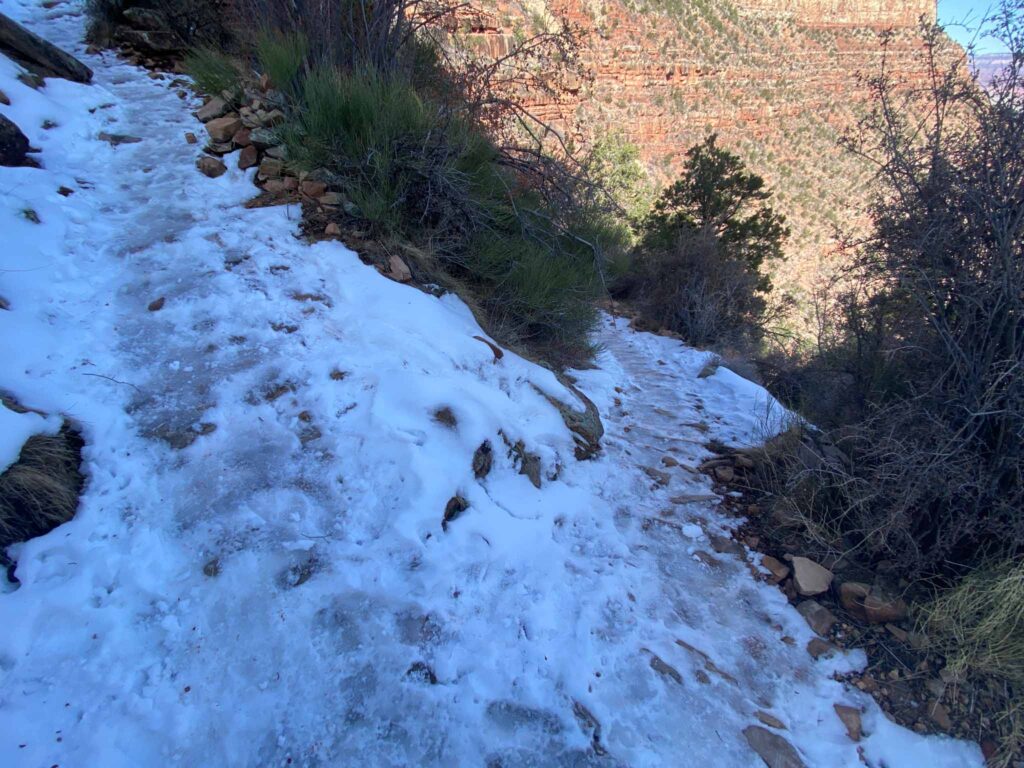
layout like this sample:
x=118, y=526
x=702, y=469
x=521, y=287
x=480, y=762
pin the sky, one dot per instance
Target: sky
x=956, y=14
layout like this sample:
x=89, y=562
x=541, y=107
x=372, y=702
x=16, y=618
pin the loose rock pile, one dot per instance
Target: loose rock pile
x=850, y=605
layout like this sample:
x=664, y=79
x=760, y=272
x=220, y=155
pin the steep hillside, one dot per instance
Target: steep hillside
x=779, y=80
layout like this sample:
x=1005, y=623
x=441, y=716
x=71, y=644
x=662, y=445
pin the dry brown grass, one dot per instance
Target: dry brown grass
x=40, y=491
x=978, y=626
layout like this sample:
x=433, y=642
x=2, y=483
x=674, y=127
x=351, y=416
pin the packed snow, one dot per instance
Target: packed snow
x=258, y=574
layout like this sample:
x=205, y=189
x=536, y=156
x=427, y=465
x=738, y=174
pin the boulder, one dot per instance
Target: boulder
x=14, y=146
x=880, y=608
x=778, y=569
x=271, y=168
x=818, y=617
x=774, y=750
x=211, y=166
x=586, y=426
x=248, y=158
x=710, y=368
x=156, y=43
x=272, y=118
x=851, y=597
x=214, y=108
x=242, y=137
x=218, y=148
x=275, y=186
x=940, y=715
x=144, y=19
x=263, y=138
x=191, y=138
x=222, y=129
x=333, y=199
x=871, y=605
x=725, y=474
x=39, y=56
x=810, y=578
x=314, y=189
x=398, y=269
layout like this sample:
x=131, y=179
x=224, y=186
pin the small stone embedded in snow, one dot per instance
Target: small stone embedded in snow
x=778, y=569
x=211, y=166
x=214, y=108
x=818, y=616
x=774, y=750
x=850, y=717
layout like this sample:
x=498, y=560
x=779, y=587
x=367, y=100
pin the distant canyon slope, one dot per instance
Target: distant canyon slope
x=778, y=80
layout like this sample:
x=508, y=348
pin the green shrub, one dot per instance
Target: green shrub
x=214, y=72
x=419, y=171
x=535, y=295
x=700, y=268
x=283, y=58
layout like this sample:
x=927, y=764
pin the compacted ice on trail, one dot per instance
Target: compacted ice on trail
x=258, y=574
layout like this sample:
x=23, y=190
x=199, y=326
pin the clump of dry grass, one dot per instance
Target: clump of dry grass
x=978, y=626
x=981, y=622
x=40, y=490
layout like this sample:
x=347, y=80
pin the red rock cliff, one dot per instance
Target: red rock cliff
x=779, y=80
x=855, y=13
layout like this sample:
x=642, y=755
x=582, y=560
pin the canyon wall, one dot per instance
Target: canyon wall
x=854, y=13
x=778, y=80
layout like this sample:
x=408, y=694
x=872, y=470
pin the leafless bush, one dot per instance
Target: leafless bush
x=929, y=331
x=429, y=44
x=692, y=289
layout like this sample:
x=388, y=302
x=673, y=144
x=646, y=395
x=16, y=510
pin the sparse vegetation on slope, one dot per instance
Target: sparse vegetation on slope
x=917, y=373
x=701, y=264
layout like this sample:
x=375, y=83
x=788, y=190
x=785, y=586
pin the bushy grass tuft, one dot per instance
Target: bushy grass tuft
x=978, y=626
x=420, y=172
x=283, y=58
x=214, y=72
x=40, y=490
x=535, y=294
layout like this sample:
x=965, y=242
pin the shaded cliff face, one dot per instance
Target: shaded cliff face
x=779, y=80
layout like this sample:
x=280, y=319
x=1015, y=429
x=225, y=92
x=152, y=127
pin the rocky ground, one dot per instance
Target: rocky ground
x=850, y=604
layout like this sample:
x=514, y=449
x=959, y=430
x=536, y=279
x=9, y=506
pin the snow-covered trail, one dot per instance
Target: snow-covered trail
x=258, y=574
